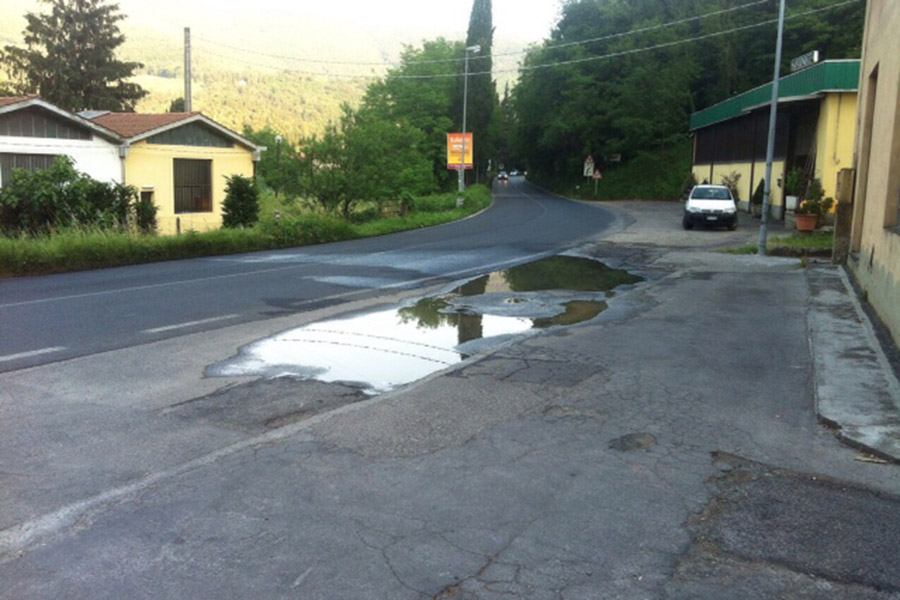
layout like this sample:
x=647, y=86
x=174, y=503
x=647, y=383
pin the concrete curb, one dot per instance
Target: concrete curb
x=855, y=389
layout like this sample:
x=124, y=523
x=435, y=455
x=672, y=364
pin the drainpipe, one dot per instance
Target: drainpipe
x=123, y=154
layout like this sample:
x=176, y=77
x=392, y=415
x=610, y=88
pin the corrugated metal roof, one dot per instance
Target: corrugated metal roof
x=827, y=76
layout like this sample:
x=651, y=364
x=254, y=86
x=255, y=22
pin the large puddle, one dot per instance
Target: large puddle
x=378, y=351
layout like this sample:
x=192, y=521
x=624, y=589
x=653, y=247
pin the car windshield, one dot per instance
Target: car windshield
x=711, y=193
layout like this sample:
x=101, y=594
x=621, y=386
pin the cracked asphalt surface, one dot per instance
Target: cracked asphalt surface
x=668, y=449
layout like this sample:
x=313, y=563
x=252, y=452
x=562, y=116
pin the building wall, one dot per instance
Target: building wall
x=97, y=157
x=751, y=174
x=875, y=238
x=835, y=136
x=149, y=167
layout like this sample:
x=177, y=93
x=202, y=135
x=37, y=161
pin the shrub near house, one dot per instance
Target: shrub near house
x=60, y=196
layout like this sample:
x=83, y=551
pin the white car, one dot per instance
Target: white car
x=710, y=205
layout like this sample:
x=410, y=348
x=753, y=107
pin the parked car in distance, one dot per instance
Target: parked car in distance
x=502, y=176
x=710, y=205
x=513, y=173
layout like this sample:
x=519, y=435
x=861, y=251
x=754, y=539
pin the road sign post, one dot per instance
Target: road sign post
x=597, y=176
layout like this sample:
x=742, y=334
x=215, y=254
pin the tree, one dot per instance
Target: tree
x=365, y=158
x=280, y=166
x=177, y=105
x=623, y=77
x=241, y=205
x=419, y=94
x=482, y=93
x=69, y=58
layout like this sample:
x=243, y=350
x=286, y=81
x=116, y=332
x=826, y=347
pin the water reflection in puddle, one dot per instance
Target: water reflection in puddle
x=378, y=351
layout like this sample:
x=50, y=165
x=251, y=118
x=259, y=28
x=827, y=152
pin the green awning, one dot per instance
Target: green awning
x=828, y=76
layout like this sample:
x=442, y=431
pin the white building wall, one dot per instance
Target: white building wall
x=97, y=157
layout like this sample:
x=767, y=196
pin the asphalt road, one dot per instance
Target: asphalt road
x=666, y=450
x=51, y=318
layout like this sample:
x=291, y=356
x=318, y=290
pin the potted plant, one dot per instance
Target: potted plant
x=793, y=186
x=689, y=182
x=813, y=207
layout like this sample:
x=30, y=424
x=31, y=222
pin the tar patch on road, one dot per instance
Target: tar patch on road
x=633, y=441
x=261, y=405
x=771, y=533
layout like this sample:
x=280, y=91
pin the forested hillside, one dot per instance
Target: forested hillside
x=595, y=88
x=240, y=74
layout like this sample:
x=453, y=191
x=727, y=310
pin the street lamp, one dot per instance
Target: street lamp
x=462, y=155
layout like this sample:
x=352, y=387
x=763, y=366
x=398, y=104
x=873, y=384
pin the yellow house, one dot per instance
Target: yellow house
x=875, y=229
x=815, y=129
x=180, y=161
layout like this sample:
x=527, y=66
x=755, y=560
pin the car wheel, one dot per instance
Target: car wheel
x=733, y=226
x=686, y=223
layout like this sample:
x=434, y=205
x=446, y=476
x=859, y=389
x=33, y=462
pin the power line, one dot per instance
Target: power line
x=679, y=42
x=549, y=64
x=494, y=55
x=645, y=29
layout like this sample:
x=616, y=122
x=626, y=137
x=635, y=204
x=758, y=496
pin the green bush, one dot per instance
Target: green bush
x=437, y=203
x=365, y=213
x=689, y=182
x=646, y=176
x=59, y=197
x=241, y=205
x=75, y=248
x=145, y=215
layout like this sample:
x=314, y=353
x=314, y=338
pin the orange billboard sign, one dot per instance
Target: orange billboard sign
x=455, y=150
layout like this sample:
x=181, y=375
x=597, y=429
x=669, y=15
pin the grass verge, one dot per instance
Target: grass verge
x=797, y=244
x=80, y=249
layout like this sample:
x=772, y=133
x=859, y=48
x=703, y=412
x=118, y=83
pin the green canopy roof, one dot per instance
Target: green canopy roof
x=828, y=76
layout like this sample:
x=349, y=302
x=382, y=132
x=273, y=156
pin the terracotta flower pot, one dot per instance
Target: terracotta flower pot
x=806, y=222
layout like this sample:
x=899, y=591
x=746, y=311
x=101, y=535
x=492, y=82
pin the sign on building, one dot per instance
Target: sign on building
x=807, y=60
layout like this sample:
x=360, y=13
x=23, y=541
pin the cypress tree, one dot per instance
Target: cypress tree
x=482, y=96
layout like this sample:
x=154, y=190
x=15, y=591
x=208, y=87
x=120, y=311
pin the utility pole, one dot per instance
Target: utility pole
x=770, y=145
x=187, y=69
x=462, y=154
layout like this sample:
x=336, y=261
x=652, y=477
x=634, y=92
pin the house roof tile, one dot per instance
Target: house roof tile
x=132, y=124
x=6, y=100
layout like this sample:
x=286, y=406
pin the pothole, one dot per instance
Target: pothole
x=379, y=350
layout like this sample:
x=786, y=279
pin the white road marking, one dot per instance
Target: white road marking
x=189, y=324
x=10, y=357
x=303, y=576
x=146, y=287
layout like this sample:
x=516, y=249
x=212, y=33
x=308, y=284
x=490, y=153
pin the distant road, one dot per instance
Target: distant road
x=50, y=318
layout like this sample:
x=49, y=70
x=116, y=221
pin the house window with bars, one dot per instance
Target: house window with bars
x=193, y=185
x=28, y=162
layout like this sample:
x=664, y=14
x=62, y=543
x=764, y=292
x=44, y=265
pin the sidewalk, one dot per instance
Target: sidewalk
x=856, y=390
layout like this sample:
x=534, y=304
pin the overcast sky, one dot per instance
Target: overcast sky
x=344, y=30
x=516, y=21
